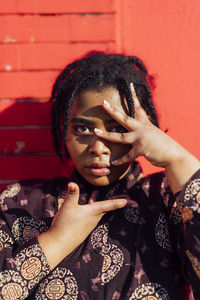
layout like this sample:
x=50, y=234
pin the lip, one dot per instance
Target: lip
x=98, y=165
x=98, y=169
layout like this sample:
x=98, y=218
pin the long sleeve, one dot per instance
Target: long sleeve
x=22, y=262
x=21, y=273
x=187, y=207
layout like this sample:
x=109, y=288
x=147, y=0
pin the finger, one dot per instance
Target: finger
x=93, y=197
x=102, y=207
x=122, y=138
x=119, y=116
x=139, y=111
x=129, y=156
x=90, y=201
x=132, y=203
x=72, y=195
x=135, y=98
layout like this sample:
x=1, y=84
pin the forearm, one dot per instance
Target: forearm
x=56, y=249
x=22, y=268
x=181, y=168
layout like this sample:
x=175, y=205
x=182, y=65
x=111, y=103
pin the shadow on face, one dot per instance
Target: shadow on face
x=92, y=155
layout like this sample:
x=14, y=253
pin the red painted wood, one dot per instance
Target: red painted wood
x=65, y=6
x=42, y=56
x=58, y=6
x=26, y=141
x=9, y=6
x=166, y=35
x=10, y=57
x=31, y=29
x=24, y=112
x=38, y=166
x=26, y=84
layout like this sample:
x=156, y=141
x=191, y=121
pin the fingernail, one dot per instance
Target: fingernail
x=90, y=201
x=71, y=187
x=114, y=162
x=98, y=130
x=106, y=103
x=132, y=203
x=132, y=87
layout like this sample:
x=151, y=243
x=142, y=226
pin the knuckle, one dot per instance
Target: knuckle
x=126, y=119
x=96, y=208
x=138, y=101
x=115, y=110
x=123, y=136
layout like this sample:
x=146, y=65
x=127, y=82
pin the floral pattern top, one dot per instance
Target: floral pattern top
x=146, y=251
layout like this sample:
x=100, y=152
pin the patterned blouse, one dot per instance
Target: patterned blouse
x=146, y=251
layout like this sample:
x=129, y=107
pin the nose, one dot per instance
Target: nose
x=98, y=146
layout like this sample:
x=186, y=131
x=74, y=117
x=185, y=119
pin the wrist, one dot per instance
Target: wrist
x=53, y=247
x=180, y=169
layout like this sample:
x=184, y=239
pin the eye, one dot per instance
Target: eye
x=81, y=130
x=118, y=129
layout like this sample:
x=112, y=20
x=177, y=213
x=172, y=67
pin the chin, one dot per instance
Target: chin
x=99, y=181
x=105, y=180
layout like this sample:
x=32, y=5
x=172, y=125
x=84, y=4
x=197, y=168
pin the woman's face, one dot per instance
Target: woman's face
x=92, y=155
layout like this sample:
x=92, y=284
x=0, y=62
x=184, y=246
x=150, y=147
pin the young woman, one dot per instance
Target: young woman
x=106, y=232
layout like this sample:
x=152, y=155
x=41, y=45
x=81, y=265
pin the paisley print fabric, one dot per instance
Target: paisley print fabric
x=149, y=250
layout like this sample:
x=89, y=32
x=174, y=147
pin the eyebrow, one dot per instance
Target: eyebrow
x=90, y=122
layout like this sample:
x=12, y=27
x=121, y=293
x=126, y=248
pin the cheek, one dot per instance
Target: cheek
x=74, y=147
x=118, y=150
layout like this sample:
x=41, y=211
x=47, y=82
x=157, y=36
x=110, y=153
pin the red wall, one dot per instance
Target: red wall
x=38, y=38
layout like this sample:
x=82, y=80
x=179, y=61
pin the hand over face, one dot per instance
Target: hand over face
x=146, y=139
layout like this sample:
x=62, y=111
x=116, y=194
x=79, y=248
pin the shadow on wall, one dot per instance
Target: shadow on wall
x=26, y=145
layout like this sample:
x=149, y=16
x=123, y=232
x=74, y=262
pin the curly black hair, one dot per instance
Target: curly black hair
x=97, y=71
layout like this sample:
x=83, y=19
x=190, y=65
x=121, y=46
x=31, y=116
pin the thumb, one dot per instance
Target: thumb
x=72, y=195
